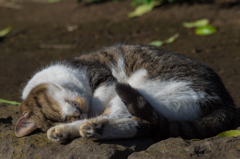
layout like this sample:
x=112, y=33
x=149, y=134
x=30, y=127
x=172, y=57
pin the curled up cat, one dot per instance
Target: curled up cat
x=126, y=91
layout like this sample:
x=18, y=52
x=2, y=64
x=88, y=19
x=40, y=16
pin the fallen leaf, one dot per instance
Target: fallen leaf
x=5, y=31
x=229, y=133
x=159, y=43
x=198, y=23
x=205, y=30
x=142, y=9
x=171, y=39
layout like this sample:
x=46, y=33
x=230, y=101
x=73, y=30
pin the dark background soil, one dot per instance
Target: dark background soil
x=40, y=35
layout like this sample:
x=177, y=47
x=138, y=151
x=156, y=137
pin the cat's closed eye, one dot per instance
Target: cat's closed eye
x=74, y=104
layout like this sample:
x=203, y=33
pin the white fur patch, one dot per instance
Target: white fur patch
x=101, y=99
x=118, y=70
x=118, y=109
x=120, y=128
x=106, y=97
x=174, y=99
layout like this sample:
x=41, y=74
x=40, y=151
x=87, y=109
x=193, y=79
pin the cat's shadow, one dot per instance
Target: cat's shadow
x=237, y=120
x=7, y=120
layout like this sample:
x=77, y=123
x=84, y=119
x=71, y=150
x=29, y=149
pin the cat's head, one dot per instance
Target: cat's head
x=48, y=105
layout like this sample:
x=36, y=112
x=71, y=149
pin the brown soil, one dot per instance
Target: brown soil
x=41, y=35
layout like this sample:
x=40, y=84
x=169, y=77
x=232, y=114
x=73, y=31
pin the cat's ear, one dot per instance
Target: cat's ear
x=24, y=126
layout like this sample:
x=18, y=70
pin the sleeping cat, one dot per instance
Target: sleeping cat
x=126, y=91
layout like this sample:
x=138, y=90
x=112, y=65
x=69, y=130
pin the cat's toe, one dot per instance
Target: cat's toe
x=57, y=134
x=92, y=129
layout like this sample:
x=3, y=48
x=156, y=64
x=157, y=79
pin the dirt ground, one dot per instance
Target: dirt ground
x=44, y=32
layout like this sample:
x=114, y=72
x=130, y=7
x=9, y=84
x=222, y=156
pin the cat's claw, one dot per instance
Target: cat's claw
x=92, y=128
x=58, y=134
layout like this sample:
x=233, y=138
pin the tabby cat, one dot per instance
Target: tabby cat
x=126, y=91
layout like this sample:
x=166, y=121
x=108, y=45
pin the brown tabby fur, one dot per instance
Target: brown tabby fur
x=44, y=110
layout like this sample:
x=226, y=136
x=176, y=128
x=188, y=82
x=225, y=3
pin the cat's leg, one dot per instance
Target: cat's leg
x=116, y=122
x=63, y=132
x=115, y=119
x=108, y=128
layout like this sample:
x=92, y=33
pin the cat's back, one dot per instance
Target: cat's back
x=160, y=65
x=153, y=59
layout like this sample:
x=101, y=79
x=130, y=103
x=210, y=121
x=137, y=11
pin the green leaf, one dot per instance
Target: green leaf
x=53, y=1
x=9, y=102
x=205, y=30
x=198, y=23
x=5, y=31
x=171, y=39
x=156, y=43
x=159, y=43
x=229, y=133
x=142, y=9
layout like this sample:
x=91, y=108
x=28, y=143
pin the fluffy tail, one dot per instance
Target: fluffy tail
x=218, y=120
x=118, y=70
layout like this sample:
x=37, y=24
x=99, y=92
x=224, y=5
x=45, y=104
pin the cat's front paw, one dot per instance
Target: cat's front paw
x=58, y=133
x=93, y=128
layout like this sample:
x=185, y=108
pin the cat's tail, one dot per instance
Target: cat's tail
x=220, y=119
x=118, y=71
